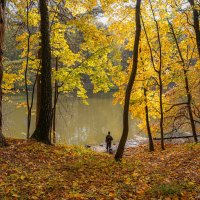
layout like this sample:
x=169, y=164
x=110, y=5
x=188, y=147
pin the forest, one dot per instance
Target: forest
x=131, y=67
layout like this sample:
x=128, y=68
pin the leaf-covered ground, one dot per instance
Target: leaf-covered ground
x=30, y=170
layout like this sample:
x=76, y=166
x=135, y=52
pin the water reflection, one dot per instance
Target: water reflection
x=76, y=123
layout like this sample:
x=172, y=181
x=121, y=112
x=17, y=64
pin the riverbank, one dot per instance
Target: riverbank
x=31, y=170
x=138, y=140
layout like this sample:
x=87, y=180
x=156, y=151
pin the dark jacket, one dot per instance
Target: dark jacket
x=109, y=139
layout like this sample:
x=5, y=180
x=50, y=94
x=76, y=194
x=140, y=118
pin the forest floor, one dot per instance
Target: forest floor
x=30, y=170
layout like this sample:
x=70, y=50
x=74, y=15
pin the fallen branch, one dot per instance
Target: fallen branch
x=176, y=137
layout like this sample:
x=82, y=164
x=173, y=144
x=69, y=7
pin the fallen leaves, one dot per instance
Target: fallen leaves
x=31, y=170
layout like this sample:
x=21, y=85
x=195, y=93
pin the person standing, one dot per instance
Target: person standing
x=109, y=140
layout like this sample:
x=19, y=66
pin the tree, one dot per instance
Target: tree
x=2, y=30
x=83, y=48
x=43, y=127
x=164, y=70
x=151, y=146
x=56, y=94
x=38, y=90
x=160, y=82
x=120, y=150
x=187, y=88
x=196, y=24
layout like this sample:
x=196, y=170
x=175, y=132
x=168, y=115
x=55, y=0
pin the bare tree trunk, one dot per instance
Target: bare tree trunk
x=26, y=72
x=161, y=110
x=148, y=127
x=196, y=24
x=189, y=96
x=38, y=96
x=159, y=72
x=55, y=103
x=43, y=128
x=124, y=137
x=2, y=31
x=29, y=103
x=189, y=100
x=151, y=146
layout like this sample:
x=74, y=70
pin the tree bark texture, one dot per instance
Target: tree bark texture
x=2, y=32
x=120, y=150
x=43, y=127
x=151, y=146
x=55, y=103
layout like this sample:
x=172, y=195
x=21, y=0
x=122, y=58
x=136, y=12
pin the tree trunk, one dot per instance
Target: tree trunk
x=189, y=97
x=159, y=72
x=55, y=103
x=124, y=137
x=38, y=83
x=161, y=110
x=151, y=146
x=43, y=127
x=2, y=31
x=196, y=24
x=38, y=98
x=26, y=72
x=189, y=101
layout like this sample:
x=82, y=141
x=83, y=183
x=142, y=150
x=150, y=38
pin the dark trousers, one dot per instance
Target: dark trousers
x=108, y=146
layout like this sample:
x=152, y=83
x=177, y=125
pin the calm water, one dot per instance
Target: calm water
x=76, y=123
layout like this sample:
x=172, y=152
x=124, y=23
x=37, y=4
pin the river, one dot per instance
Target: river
x=76, y=123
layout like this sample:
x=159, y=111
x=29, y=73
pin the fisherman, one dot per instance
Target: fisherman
x=109, y=140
